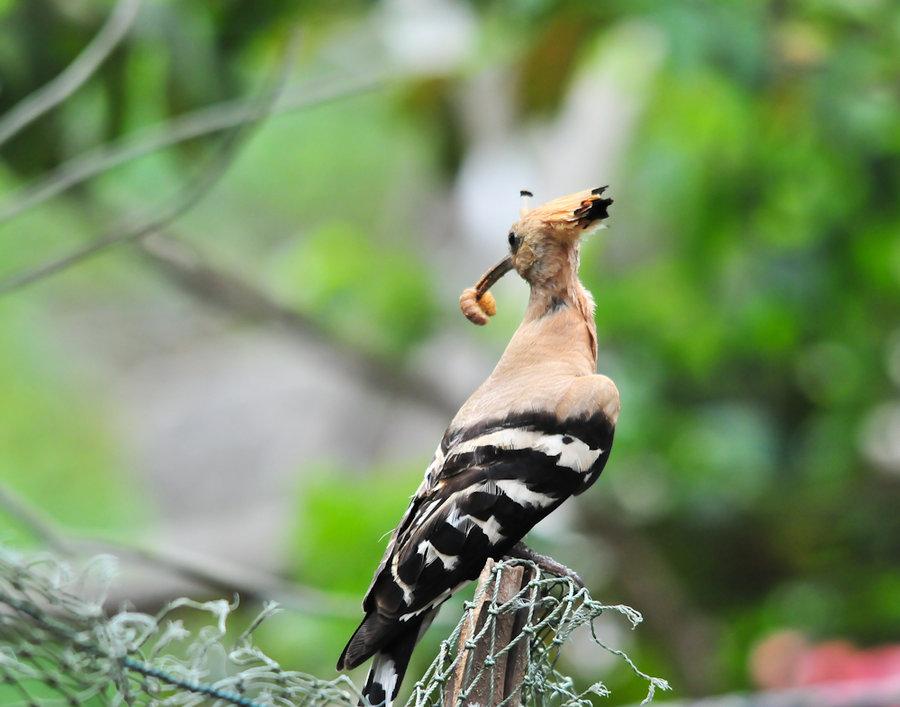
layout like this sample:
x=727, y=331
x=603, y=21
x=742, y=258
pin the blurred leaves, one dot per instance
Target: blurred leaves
x=383, y=297
x=57, y=448
x=369, y=509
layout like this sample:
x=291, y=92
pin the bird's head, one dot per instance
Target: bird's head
x=542, y=244
x=542, y=238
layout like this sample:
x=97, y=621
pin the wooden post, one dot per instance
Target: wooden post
x=495, y=683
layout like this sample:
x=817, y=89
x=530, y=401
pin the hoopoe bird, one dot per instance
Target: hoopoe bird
x=536, y=432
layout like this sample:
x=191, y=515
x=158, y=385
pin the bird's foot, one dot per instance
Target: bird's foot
x=521, y=551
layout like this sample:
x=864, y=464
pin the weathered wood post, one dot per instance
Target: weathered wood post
x=495, y=674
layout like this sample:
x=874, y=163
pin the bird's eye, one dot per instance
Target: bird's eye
x=514, y=241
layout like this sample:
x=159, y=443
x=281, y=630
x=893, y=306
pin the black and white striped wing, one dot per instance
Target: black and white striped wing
x=487, y=486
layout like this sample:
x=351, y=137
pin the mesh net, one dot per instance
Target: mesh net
x=58, y=646
x=505, y=648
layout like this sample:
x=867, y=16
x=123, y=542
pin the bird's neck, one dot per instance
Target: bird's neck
x=548, y=298
x=557, y=292
x=558, y=330
x=555, y=342
x=561, y=306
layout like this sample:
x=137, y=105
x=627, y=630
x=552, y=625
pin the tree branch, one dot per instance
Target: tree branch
x=234, y=295
x=214, y=574
x=186, y=127
x=75, y=74
x=182, y=202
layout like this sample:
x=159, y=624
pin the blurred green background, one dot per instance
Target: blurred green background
x=259, y=387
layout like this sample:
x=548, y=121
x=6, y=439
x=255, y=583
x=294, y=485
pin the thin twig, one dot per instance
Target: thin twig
x=183, y=201
x=75, y=74
x=186, y=127
x=39, y=526
x=217, y=575
x=224, y=577
x=229, y=292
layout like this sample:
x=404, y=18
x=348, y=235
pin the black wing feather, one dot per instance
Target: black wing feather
x=472, y=506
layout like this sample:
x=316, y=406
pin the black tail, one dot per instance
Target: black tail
x=374, y=631
x=391, y=657
x=388, y=668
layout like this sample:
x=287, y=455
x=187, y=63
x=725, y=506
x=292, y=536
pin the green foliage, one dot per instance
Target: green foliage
x=56, y=446
x=343, y=519
x=762, y=281
x=376, y=295
x=369, y=508
x=360, y=159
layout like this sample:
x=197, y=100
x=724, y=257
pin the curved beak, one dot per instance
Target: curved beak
x=491, y=276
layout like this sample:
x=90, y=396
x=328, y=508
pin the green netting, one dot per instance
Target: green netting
x=548, y=608
x=58, y=646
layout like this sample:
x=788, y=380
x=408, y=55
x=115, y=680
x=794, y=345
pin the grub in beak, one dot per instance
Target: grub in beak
x=477, y=303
